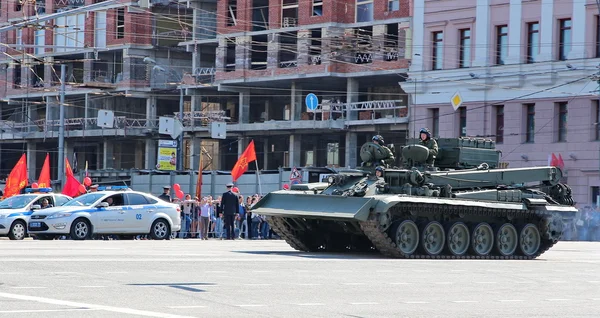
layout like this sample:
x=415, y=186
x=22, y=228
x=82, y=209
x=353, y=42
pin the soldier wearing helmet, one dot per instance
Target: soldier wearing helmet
x=379, y=172
x=427, y=141
x=389, y=160
x=380, y=184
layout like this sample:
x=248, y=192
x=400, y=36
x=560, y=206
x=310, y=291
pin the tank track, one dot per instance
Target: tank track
x=386, y=246
x=278, y=225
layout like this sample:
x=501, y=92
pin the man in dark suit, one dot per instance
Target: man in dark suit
x=230, y=206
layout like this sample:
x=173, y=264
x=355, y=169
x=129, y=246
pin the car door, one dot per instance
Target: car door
x=139, y=213
x=112, y=218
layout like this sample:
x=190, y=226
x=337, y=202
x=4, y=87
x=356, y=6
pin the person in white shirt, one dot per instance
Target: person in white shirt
x=205, y=212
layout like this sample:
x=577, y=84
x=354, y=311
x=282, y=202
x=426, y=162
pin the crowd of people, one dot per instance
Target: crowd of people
x=585, y=226
x=204, y=218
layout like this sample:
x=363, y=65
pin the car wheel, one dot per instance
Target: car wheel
x=160, y=230
x=80, y=230
x=18, y=230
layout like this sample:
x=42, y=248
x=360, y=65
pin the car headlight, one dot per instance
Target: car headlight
x=59, y=215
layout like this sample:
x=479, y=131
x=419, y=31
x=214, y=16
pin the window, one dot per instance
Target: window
x=596, y=120
x=69, y=35
x=435, y=121
x=500, y=124
x=120, y=23
x=317, y=6
x=136, y=199
x=530, y=122
x=60, y=200
x=564, y=40
x=393, y=5
x=232, y=13
x=39, y=39
x=465, y=48
x=19, y=39
x=100, y=29
x=391, y=42
x=462, y=122
x=364, y=10
x=562, y=122
x=533, y=41
x=595, y=199
x=333, y=154
x=501, y=44
x=289, y=13
x=17, y=75
x=18, y=5
x=438, y=50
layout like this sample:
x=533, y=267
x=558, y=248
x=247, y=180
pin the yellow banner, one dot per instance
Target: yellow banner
x=167, y=155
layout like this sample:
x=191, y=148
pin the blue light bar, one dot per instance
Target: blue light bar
x=39, y=190
x=113, y=188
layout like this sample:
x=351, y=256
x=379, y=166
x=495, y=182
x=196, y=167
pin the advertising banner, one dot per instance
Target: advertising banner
x=167, y=154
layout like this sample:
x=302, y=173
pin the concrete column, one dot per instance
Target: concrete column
x=150, y=154
x=242, y=144
x=139, y=155
x=351, y=97
x=244, y=108
x=418, y=22
x=267, y=109
x=296, y=106
x=378, y=41
x=242, y=52
x=295, y=150
x=547, y=31
x=351, y=151
x=108, y=152
x=273, y=48
x=32, y=160
x=482, y=35
x=196, y=102
x=302, y=47
x=48, y=62
x=266, y=151
x=195, y=151
x=88, y=65
x=578, y=31
x=514, y=33
x=221, y=55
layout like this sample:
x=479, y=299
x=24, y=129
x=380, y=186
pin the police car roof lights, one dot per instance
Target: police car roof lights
x=114, y=188
x=38, y=190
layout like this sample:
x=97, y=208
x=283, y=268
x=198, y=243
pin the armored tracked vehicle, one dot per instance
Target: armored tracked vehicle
x=465, y=206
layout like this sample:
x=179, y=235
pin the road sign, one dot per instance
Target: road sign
x=218, y=130
x=312, y=101
x=106, y=119
x=456, y=100
x=170, y=126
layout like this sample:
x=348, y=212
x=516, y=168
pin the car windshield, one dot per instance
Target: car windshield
x=85, y=200
x=17, y=202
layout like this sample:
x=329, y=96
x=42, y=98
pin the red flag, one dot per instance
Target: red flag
x=44, y=180
x=554, y=161
x=68, y=170
x=72, y=186
x=17, y=179
x=560, y=163
x=241, y=165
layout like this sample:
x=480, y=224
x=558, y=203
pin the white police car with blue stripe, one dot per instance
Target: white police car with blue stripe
x=108, y=212
x=15, y=211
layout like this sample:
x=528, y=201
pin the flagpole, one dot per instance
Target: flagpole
x=199, y=180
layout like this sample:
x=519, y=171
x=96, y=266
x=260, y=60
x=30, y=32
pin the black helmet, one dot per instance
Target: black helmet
x=379, y=168
x=425, y=131
x=378, y=139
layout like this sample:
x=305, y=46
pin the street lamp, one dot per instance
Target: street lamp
x=148, y=60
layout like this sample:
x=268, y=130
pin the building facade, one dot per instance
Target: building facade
x=119, y=57
x=257, y=60
x=526, y=73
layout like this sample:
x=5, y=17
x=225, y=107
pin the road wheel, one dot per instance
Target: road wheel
x=18, y=230
x=80, y=230
x=160, y=230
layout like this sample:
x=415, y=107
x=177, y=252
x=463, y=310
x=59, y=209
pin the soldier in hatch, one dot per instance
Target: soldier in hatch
x=389, y=160
x=427, y=141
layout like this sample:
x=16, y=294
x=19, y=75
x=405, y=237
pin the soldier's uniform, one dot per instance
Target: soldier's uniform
x=165, y=196
x=430, y=144
x=389, y=158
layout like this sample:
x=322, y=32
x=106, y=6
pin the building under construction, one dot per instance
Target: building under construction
x=248, y=63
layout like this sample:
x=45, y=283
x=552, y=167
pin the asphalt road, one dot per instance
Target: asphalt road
x=195, y=278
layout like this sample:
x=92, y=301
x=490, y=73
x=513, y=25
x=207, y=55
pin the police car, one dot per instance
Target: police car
x=111, y=210
x=15, y=211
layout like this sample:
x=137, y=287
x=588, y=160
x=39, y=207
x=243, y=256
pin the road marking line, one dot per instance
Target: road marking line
x=458, y=270
x=557, y=281
x=301, y=271
x=594, y=281
x=115, y=272
x=464, y=301
x=444, y=283
x=215, y=272
x=595, y=298
x=25, y=311
x=486, y=283
x=258, y=284
x=509, y=300
x=399, y=283
x=354, y=284
x=523, y=282
x=251, y=305
x=311, y=304
x=120, y=310
x=416, y=302
x=92, y=286
x=384, y=271
x=185, y=307
x=309, y=284
x=29, y=287
x=262, y=271
x=557, y=299
x=365, y=303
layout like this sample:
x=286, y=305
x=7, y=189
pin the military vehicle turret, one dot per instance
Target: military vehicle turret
x=465, y=206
